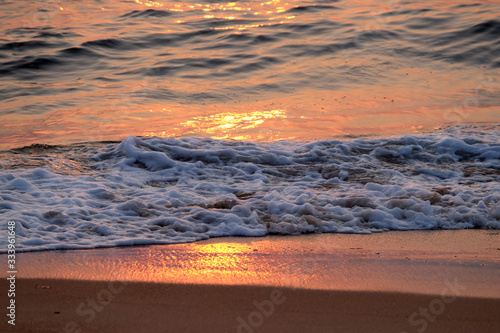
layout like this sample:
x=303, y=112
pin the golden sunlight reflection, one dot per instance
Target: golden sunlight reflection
x=325, y=261
x=225, y=125
x=217, y=263
x=229, y=11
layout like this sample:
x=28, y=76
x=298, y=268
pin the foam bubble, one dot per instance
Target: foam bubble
x=161, y=191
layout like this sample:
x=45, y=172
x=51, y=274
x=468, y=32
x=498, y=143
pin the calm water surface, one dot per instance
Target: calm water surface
x=73, y=71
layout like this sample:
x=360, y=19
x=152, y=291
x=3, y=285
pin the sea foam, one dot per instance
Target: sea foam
x=161, y=191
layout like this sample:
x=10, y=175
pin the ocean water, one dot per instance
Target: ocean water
x=165, y=121
x=77, y=71
x=164, y=190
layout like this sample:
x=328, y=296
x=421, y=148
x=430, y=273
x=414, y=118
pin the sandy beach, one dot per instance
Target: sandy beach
x=52, y=305
x=437, y=281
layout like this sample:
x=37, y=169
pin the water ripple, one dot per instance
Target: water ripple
x=305, y=56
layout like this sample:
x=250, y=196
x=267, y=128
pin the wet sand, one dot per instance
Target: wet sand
x=93, y=306
x=434, y=281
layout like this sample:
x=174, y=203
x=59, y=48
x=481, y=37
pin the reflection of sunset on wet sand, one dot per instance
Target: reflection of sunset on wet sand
x=328, y=262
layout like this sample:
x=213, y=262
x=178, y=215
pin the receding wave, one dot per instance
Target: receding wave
x=161, y=191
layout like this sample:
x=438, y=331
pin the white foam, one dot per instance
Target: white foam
x=160, y=191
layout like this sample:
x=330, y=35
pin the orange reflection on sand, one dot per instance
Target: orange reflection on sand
x=216, y=263
x=219, y=260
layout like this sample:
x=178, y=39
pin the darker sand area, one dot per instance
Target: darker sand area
x=66, y=306
x=438, y=281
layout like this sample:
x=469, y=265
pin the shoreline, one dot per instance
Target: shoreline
x=390, y=261
x=430, y=281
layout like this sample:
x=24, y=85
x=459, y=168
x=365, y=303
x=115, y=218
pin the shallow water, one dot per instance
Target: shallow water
x=75, y=71
x=163, y=190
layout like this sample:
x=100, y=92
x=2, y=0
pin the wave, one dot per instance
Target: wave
x=312, y=45
x=161, y=191
x=147, y=13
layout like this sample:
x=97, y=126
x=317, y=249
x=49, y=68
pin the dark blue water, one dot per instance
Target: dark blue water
x=90, y=71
